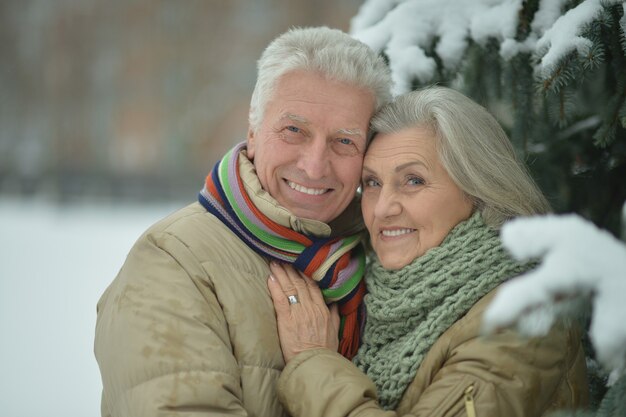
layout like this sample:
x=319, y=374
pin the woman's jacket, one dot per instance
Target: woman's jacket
x=496, y=376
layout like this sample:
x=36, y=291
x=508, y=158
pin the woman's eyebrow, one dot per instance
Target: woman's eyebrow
x=398, y=168
x=366, y=170
x=408, y=164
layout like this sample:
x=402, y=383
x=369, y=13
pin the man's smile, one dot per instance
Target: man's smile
x=306, y=190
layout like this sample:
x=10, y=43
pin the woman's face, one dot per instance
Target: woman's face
x=409, y=203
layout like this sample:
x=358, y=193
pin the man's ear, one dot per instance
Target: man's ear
x=250, y=143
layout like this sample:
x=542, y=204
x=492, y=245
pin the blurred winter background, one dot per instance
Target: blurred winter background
x=111, y=114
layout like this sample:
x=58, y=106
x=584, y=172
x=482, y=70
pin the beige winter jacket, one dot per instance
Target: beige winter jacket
x=463, y=373
x=187, y=328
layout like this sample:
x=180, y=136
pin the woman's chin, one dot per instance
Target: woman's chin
x=394, y=264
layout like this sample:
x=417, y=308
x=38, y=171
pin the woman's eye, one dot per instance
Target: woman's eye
x=415, y=181
x=370, y=182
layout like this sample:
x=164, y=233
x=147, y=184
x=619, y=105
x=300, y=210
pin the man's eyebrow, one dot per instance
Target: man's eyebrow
x=304, y=120
x=295, y=118
x=351, y=132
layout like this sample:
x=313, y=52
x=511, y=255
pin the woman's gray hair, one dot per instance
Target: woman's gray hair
x=472, y=147
x=330, y=52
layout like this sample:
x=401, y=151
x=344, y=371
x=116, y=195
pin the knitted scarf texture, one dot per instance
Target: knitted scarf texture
x=410, y=308
x=336, y=264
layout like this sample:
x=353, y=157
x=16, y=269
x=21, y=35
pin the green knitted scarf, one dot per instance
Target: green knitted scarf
x=409, y=309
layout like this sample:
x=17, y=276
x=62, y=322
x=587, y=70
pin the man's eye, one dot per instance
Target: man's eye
x=293, y=129
x=346, y=147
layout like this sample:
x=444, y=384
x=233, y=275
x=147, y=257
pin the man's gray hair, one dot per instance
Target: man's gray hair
x=472, y=147
x=329, y=52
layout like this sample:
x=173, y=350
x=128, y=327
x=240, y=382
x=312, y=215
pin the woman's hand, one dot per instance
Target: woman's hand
x=304, y=322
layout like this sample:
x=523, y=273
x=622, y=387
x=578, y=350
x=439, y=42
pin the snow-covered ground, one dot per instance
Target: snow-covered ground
x=55, y=261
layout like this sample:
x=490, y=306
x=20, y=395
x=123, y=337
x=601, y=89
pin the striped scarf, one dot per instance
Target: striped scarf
x=336, y=264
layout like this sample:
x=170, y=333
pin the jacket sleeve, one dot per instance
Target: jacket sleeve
x=162, y=344
x=322, y=383
x=499, y=376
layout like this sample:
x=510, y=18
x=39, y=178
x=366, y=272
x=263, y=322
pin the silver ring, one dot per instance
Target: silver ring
x=293, y=299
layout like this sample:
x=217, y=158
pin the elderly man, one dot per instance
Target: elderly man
x=188, y=327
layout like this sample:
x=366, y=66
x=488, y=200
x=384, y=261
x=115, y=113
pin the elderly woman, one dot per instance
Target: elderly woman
x=439, y=178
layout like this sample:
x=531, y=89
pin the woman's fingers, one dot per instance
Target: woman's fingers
x=279, y=273
x=334, y=316
x=291, y=282
x=306, y=289
x=307, y=324
x=281, y=303
x=314, y=291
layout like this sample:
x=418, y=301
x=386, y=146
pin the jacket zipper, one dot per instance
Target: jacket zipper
x=469, y=401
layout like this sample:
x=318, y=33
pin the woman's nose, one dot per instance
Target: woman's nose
x=387, y=204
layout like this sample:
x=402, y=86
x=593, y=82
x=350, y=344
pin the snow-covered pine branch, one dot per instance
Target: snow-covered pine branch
x=582, y=271
x=414, y=34
x=578, y=260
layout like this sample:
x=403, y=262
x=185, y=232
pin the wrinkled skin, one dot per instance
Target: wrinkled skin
x=308, y=324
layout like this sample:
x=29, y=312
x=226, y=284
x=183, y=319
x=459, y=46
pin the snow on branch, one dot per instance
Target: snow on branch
x=410, y=32
x=578, y=262
x=564, y=36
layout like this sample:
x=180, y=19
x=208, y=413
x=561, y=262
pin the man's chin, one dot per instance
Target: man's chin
x=310, y=213
x=313, y=207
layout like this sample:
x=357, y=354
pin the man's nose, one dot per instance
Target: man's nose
x=314, y=158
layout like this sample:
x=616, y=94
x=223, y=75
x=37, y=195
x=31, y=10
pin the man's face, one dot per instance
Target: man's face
x=308, y=150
